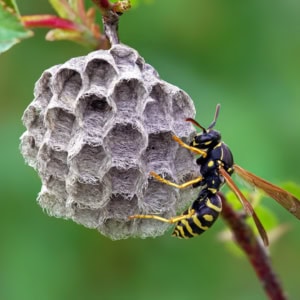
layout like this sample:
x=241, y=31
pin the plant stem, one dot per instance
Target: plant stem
x=110, y=20
x=254, y=250
x=111, y=23
x=48, y=21
x=111, y=13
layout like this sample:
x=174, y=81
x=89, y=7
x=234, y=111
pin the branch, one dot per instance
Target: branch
x=110, y=16
x=254, y=250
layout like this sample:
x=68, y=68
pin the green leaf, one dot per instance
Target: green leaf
x=63, y=9
x=75, y=36
x=11, y=4
x=267, y=217
x=293, y=188
x=73, y=4
x=135, y=3
x=255, y=198
x=11, y=28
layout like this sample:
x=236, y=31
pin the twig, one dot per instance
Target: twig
x=111, y=13
x=111, y=24
x=254, y=250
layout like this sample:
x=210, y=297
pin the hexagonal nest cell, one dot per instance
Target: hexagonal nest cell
x=97, y=126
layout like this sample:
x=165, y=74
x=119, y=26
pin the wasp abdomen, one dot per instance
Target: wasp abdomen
x=207, y=209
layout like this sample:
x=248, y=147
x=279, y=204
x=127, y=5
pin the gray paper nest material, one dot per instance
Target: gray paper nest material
x=97, y=126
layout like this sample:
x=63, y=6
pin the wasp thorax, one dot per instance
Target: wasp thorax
x=97, y=126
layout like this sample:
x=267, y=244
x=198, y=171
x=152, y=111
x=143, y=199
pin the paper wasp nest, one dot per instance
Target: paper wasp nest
x=97, y=126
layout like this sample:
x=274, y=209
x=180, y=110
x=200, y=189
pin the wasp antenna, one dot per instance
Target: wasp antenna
x=216, y=117
x=195, y=123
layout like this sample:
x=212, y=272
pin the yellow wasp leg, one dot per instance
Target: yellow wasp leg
x=192, y=149
x=179, y=186
x=172, y=220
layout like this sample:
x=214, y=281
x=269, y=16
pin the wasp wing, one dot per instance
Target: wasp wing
x=247, y=206
x=284, y=198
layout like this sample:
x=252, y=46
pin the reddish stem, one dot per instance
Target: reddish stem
x=104, y=5
x=48, y=21
x=254, y=250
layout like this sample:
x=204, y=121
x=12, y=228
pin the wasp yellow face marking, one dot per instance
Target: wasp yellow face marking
x=208, y=218
x=212, y=206
x=211, y=163
x=198, y=223
x=207, y=143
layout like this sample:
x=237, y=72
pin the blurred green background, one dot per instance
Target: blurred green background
x=242, y=54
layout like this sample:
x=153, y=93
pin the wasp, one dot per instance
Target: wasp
x=216, y=166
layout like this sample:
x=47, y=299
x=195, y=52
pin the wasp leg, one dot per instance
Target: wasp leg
x=179, y=186
x=172, y=220
x=192, y=149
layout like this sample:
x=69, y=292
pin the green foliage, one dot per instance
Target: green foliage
x=292, y=187
x=269, y=219
x=137, y=2
x=256, y=198
x=11, y=28
x=64, y=9
x=10, y=4
x=72, y=23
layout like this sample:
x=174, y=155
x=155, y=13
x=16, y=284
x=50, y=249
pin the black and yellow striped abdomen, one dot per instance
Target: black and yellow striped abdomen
x=206, y=209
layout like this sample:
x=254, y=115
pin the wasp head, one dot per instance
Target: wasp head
x=208, y=138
